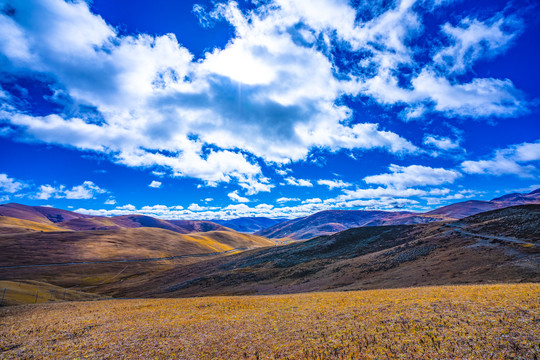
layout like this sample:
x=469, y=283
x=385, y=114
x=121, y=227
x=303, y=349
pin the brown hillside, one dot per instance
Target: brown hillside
x=42, y=214
x=371, y=257
x=120, y=244
x=9, y=225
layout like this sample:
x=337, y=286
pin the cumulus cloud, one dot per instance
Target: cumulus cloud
x=459, y=195
x=196, y=212
x=521, y=160
x=110, y=201
x=127, y=207
x=298, y=182
x=155, y=184
x=386, y=192
x=334, y=184
x=196, y=207
x=478, y=98
x=156, y=78
x=413, y=175
x=10, y=185
x=235, y=197
x=272, y=95
x=312, y=201
x=441, y=142
x=87, y=190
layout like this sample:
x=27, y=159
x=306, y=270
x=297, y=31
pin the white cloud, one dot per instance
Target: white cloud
x=459, y=195
x=265, y=93
x=312, y=201
x=110, y=201
x=46, y=192
x=473, y=39
x=413, y=175
x=10, y=185
x=441, y=142
x=155, y=184
x=378, y=193
x=234, y=196
x=517, y=159
x=271, y=95
x=128, y=207
x=298, y=182
x=478, y=98
x=87, y=190
x=196, y=207
x=334, y=184
x=196, y=212
x=286, y=199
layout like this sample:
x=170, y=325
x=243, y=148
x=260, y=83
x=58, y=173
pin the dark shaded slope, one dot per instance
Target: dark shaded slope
x=467, y=251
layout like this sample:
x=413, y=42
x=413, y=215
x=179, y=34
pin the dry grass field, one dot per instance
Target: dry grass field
x=30, y=292
x=448, y=322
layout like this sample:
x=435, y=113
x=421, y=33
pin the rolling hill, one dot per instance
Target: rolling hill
x=10, y=225
x=467, y=208
x=497, y=246
x=38, y=248
x=321, y=223
x=249, y=224
x=327, y=222
x=69, y=220
x=137, y=221
x=41, y=214
x=332, y=221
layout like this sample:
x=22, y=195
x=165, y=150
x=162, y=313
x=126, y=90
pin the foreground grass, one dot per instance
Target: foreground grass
x=451, y=322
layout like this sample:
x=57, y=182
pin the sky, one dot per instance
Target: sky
x=278, y=108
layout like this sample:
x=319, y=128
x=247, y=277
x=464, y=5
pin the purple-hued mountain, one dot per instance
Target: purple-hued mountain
x=322, y=223
x=333, y=221
x=249, y=224
x=467, y=208
x=74, y=221
x=40, y=214
x=328, y=222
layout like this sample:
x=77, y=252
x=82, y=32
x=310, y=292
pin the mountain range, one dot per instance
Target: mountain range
x=141, y=256
x=491, y=247
x=332, y=221
x=303, y=228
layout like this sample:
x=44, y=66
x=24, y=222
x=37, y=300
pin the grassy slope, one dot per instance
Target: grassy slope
x=367, y=258
x=451, y=322
x=29, y=248
x=120, y=244
x=29, y=292
x=9, y=225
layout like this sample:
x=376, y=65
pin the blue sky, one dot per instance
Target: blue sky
x=280, y=108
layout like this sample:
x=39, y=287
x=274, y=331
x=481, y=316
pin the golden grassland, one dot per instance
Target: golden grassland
x=448, y=322
x=30, y=292
x=9, y=224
